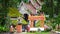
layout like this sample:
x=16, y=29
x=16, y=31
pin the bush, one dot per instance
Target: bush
x=48, y=29
x=4, y=29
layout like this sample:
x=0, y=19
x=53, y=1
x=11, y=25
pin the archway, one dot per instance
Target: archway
x=32, y=18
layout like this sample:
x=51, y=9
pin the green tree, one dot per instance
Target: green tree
x=52, y=7
x=48, y=7
x=4, y=5
x=57, y=21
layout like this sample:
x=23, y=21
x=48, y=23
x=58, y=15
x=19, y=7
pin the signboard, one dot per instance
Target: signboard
x=36, y=18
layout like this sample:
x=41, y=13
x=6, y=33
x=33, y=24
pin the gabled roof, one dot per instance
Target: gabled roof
x=32, y=6
x=22, y=8
x=35, y=4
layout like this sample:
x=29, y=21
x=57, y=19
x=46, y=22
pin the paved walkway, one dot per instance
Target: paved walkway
x=20, y=33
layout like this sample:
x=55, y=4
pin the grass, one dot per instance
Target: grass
x=38, y=33
x=44, y=32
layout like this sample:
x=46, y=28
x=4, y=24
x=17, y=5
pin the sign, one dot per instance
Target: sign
x=36, y=18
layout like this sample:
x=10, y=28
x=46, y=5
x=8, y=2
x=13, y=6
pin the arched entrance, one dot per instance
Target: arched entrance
x=31, y=18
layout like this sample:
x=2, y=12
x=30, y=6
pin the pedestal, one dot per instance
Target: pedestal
x=19, y=28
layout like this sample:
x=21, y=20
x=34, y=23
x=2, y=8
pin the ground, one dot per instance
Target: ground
x=33, y=33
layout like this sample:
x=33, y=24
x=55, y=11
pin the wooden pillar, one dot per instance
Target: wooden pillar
x=42, y=23
x=42, y=20
x=31, y=24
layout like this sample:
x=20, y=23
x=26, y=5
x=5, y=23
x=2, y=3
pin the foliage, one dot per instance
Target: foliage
x=47, y=9
x=53, y=22
x=4, y=29
x=15, y=22
x=48, y=29
x=50, y=7
x=26, y=1
x=13, y=12
x=4, y=9
x=57, y=21
x=14, y=3
x=38, y=23
x=24, y=22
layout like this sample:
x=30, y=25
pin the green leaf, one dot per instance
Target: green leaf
x=13, y=12
x=24, y=22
